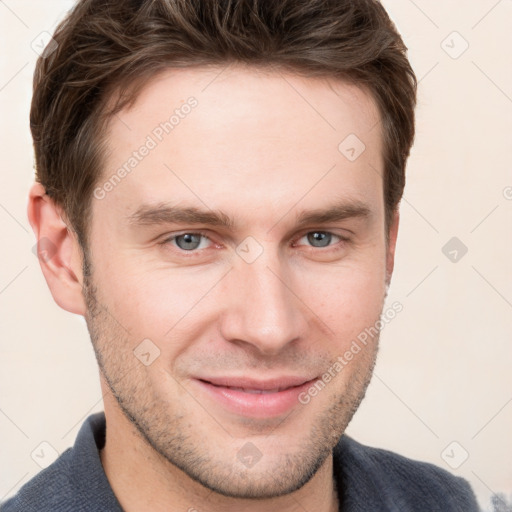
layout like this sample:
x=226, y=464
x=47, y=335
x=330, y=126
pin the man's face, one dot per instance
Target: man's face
x=262, y=302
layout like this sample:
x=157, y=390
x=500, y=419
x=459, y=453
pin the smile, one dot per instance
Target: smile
x=251, y=398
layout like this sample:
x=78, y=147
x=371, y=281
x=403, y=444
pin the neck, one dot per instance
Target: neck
x=143, y=480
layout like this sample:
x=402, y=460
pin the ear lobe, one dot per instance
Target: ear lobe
x=390, y=252
x=58, y=251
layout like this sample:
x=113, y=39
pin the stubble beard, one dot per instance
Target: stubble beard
x=172, y=438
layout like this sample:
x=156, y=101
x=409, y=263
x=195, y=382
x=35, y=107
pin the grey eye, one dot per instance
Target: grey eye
x=319, y=238
x=188, y=241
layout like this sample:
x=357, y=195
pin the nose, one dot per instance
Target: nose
x=263, y=306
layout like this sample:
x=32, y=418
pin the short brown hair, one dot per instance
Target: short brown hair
x=117, y=45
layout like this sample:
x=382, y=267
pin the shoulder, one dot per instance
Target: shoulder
x=393, y=482
x=74, y=482
x=48, y=490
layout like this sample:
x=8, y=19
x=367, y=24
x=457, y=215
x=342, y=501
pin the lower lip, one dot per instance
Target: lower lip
x=256, y=405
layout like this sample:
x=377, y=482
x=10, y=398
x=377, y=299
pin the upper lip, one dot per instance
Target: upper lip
x=280, y=383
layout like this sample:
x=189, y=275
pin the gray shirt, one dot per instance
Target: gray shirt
x=368, y=479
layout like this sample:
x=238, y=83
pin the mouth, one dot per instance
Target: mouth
x=254, y=398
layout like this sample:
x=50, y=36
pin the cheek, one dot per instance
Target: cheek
x=150, y=302
x=347, y=299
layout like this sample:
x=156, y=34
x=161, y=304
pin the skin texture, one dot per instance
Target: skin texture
x=261, y=147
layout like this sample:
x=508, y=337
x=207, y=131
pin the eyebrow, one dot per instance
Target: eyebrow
x=339, y=211
x=163, y=213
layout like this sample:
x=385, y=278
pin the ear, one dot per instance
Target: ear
x=390, y=252
x=58, y=251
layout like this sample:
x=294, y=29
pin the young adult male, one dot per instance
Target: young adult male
x=217, y=194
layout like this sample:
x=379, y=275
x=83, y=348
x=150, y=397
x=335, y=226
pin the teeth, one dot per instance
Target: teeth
x=257, y=391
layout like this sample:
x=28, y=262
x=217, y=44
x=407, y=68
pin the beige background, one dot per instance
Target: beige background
x=444, y=373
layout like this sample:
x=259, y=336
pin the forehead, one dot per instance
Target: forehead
x=239, y=137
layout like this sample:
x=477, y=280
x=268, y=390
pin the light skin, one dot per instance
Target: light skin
x=256, y=151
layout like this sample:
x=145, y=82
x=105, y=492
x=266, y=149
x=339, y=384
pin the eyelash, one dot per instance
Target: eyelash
x=196, y=252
